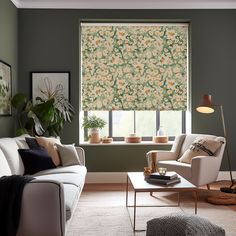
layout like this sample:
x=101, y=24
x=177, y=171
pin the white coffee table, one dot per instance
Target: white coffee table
x=139, y=184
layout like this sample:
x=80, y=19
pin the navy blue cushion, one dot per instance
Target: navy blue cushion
x=36, y=160
x=32, y=142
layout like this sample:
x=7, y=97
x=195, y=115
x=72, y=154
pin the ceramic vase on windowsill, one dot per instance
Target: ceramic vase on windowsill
x=93, y=124
x=94, y=136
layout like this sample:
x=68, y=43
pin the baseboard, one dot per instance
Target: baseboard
x=120, y=177
x=106, y=177
x=224, y=175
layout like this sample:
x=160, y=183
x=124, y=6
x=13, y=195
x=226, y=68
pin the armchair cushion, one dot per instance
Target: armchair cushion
x=202, y=146
x=181, y=168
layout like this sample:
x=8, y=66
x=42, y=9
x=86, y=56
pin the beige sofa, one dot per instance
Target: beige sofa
x=49, y=201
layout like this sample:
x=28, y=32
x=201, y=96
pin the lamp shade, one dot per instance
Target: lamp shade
x=205, y=105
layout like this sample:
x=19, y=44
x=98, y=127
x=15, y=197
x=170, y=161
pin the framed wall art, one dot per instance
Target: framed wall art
x=45, y=84
x=5, y=89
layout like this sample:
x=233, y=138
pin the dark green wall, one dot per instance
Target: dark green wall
x=8, y=54
x=49, y=40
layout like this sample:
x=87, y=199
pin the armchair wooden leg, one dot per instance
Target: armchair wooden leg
x=151, y=193
x=208, y=186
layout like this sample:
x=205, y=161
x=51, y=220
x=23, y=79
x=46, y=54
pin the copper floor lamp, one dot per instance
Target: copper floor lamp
x=206, y=106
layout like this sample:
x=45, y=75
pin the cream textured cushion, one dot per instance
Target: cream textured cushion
x=202, y=146
x=49, y=145
x=68, y=155
x=9, y=149
x=4, y=167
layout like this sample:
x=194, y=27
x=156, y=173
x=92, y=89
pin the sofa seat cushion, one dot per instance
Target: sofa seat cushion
x=71, y=194
x=10, y=151
x=182, y=169
x=76, y=169
x=65, y=178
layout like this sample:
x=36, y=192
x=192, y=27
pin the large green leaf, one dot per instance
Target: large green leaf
x=37, y=125
x=45, y=111
x=19, y=100
x=47, y=115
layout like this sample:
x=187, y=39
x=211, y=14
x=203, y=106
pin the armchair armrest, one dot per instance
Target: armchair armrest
x=161, y=155
x=205, y=169
x=81, y=154
x=42, y=209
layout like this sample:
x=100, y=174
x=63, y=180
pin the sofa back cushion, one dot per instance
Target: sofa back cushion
x=10, y=151
x=21, y=142
x=49, y=144
x=4, y=167
x=36, y=160
x=68, y=155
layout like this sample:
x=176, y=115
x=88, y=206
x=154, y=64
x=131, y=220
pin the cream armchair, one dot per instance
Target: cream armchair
x=202, y=170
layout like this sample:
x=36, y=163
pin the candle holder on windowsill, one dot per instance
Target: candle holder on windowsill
x=160, y=139
x=133, y=139
x=107, y=140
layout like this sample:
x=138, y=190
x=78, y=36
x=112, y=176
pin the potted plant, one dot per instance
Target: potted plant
x=49, y=113
x=94, y=124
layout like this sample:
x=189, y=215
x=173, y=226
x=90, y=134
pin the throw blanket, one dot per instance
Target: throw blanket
x=11, y=189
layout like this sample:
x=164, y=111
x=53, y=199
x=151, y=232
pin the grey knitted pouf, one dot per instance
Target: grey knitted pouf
x=182, y=225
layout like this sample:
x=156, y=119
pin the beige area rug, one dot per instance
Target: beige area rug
x=108, y=216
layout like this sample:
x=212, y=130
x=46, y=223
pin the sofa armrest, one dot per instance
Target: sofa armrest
x=43, y=209
x=205, y=169
x=81, y=154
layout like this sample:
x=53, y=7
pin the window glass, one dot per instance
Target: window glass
x=145, y=123
x=123, y=123
x=171, y=122
x=103, y=115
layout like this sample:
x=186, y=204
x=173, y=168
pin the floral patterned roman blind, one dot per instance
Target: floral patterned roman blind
x=134, y=66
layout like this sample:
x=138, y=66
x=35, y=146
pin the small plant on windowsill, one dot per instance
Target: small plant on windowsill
x=93, y=124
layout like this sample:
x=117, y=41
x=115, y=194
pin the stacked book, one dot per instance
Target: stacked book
x=170, y=177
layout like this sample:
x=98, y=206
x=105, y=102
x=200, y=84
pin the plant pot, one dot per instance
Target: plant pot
x=94, y=136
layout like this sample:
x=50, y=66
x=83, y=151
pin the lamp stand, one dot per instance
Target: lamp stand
x=227, y=189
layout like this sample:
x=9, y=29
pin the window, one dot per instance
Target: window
x=144, y=123
x=135, y=76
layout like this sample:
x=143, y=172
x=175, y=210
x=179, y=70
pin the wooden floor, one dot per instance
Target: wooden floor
x=101, y=210
x=203, y=192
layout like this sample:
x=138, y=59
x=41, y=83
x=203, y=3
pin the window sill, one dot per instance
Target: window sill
x=122, y=143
